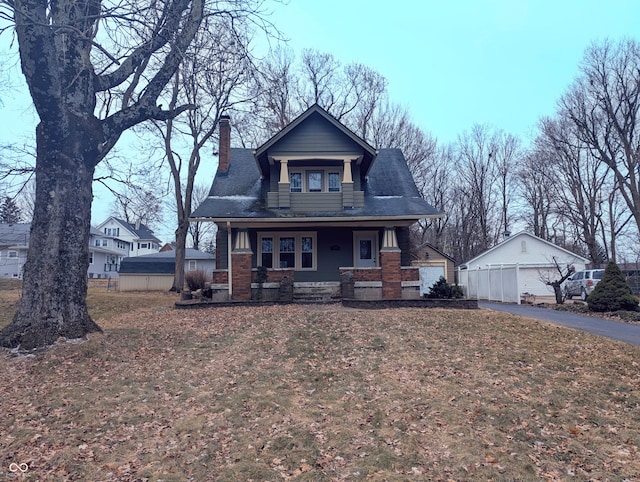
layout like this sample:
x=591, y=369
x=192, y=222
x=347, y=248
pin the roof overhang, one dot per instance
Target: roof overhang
x=359, y=221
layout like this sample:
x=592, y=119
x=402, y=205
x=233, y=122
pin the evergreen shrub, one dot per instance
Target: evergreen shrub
x=612, y=293
x=443, y=290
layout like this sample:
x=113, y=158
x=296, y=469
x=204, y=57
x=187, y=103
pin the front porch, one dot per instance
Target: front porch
x=355, y=283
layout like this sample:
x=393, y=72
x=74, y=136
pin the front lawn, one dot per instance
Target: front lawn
x=320, y=393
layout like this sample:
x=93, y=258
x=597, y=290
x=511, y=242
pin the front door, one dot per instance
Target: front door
x=366, y=249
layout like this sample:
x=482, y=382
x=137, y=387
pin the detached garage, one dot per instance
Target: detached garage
x=154, y=272
x=515, y=269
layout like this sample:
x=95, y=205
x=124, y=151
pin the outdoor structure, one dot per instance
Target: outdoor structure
x=154, y=272
x=434, y=264
x=314, y=204
x=516, y=269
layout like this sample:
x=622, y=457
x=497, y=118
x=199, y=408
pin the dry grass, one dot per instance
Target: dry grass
x=321, y=393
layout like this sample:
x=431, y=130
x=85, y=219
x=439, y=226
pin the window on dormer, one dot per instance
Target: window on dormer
x=314, y=181
x=335, y=181
x=295, y=181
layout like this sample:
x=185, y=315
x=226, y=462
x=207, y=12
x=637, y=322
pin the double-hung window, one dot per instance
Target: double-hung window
x=306, y=252
x=266, y=250
x=287, y=252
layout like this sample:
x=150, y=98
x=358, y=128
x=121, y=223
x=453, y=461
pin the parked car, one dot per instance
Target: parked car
x=582, y=283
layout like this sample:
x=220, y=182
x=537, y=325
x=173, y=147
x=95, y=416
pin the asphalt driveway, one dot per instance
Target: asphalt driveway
x=616, y=330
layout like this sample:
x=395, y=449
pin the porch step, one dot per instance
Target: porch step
x=316, y=292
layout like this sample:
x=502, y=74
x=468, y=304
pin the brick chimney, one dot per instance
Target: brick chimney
x=224, y=150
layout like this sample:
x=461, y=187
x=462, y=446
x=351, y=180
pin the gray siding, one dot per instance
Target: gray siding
x=315, y=135
x=314, y=202
x=222, y=248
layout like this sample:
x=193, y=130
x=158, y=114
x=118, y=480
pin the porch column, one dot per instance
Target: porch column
x=390, y=264
x=284, y=189
x=241, y=267
x=347, y=184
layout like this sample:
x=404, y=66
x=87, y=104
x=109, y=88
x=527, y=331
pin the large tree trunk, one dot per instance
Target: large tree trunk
x=55, y=275
x=56, y=41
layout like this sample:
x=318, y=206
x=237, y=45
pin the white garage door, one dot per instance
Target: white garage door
x=429, y=275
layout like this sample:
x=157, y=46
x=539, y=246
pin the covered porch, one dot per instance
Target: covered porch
x=321, y=263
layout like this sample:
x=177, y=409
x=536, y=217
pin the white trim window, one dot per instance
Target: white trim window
x=12, y=254
x=334, y=181
x=295, y=182
x=265, y=258
x=193, y=265
x=288, y=250
x=315, y=180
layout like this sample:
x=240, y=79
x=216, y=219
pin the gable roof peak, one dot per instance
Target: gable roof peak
x=368, y=151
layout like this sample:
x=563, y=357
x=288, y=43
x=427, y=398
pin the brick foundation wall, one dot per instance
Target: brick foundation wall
x=274, y=275
x=241, y=276
x=391, y=275
x=220, y=276
x=364, y=274
x=410, y=274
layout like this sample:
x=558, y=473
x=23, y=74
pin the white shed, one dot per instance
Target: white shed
x=515, y=268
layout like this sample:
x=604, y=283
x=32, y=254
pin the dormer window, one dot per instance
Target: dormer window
x=295, y=181
x=314, y=181
x=334, y=179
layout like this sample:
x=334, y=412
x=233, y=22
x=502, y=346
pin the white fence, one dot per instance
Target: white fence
x=493, y=283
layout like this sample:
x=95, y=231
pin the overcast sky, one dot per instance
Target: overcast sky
x=455, y=63
x=452, y=63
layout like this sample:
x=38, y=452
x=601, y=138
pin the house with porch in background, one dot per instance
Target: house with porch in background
x=314, y=204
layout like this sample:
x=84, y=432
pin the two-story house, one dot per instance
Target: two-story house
x=313, y=202
x=135, y=239
x=104, y=255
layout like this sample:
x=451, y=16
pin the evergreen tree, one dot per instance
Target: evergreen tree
x=612, y=293
x=9, y=211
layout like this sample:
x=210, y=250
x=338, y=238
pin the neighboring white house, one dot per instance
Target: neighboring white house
x=154, y=272
x=14, y=243
x=135, y=239
x=104, y=254
x=518, y=266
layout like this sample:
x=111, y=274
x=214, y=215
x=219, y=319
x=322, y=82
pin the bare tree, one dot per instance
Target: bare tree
x=556, y=283
x=603, y=106
x=506, y=156
x=200, y=232
x=214, y=75
x=534, y=181
x=73, y=54
x=476, y=171
x=579, y=180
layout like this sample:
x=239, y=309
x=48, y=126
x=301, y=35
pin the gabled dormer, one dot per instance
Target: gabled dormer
x=315, y=164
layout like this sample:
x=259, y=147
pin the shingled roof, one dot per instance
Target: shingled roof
x=389, y=191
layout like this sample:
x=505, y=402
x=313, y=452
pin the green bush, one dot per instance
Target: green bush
x=612, y=293
x=196, y=280
x=442, y=290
